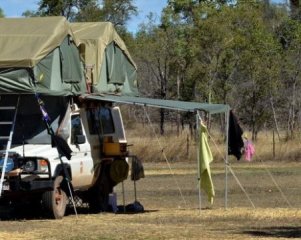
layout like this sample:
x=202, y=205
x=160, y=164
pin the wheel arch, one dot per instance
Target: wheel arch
x=59, y=170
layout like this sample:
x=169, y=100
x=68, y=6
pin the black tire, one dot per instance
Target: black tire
x=55, y=201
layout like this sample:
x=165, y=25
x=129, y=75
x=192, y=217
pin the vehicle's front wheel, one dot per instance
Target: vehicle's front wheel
x=55, y=201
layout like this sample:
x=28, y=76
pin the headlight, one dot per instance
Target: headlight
x=29, y=166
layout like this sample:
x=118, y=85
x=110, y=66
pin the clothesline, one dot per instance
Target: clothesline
x=248, y=159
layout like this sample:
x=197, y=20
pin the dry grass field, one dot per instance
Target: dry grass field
x=266, y=206
x=174, y=214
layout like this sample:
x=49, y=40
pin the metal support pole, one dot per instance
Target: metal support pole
x=123, y=196
x=226, y=157
x=134, y=161
x=135, y=191
x=198, y=158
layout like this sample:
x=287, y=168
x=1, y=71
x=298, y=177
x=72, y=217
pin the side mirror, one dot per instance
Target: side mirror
x=80, y=139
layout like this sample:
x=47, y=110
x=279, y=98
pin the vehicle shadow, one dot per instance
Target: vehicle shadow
x=36, y=213
x=280, y=232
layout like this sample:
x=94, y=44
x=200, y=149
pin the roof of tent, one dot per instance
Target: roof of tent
x=96, y=36
x=25, y=41
x=159, y=103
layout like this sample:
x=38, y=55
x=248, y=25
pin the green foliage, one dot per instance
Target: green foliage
x=117, y=12
x=243, y=53
x=220, y=52
x=2, y=15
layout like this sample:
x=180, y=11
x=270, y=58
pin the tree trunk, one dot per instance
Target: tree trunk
x=292, y=116
x=253, y=121
x=178, y=98
x=295, y=9
x=162, y=119
x=163, y=96
x=275, y=118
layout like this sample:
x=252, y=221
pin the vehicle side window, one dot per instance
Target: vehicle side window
x=106, y=119
x=76, y=128
x=100, y=121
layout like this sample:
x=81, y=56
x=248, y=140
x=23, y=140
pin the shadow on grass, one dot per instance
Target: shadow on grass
x=27, y=213
x=280, y=232
x=129, y=212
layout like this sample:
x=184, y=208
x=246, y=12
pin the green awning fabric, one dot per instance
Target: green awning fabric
x=159, y=103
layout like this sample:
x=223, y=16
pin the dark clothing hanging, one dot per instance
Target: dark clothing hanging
x=137, y=170
x=235, y=142
x=61, y=145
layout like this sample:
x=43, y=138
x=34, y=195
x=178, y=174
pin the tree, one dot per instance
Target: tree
x=258, y=76
x=118, y=11
x=2, y=15
x=289, y=33
x=71, y=9
x=295, y=8
x=66, y=8
x=155, y=57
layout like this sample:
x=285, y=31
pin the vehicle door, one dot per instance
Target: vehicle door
x=81, y=161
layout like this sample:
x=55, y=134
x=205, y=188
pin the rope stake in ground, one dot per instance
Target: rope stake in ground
x=164, y=155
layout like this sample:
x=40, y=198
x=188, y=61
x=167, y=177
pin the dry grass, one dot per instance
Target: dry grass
x=163, y=224
x=170, y=197
x=168, y=215
x=148, y=145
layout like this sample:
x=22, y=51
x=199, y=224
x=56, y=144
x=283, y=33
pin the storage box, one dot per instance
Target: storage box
x=111, y=149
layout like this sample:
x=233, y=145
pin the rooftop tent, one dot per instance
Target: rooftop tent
x=109, y=66
x=39, y=55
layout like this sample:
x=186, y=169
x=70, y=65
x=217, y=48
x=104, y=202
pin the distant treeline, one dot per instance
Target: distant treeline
x=243, y=53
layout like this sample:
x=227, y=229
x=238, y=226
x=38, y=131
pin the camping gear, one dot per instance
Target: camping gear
x=235, y=143
x=206, y=158
x=39, y=55
x=109, y=65
x=137, y=172
x=119, y=170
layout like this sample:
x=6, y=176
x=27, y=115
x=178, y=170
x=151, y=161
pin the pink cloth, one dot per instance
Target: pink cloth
x=249, y=151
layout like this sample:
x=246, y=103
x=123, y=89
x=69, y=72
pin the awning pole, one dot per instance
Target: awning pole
x=198, y=158
x=226, y=157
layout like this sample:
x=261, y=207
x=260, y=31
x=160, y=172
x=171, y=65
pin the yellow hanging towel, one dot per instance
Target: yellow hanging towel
x=205, y=160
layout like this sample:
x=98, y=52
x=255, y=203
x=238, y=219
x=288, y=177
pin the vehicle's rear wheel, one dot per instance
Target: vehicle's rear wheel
x=55, y=201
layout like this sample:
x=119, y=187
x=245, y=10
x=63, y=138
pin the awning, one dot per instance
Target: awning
x=159, y=103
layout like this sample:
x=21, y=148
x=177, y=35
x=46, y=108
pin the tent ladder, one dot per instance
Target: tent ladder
x=13, y=110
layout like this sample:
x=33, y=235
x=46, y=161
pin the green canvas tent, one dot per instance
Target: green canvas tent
x=109, y=66
x=39, y=55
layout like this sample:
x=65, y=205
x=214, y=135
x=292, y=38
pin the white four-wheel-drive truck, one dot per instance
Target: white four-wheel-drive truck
x=56, y=143
x=35, y=172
